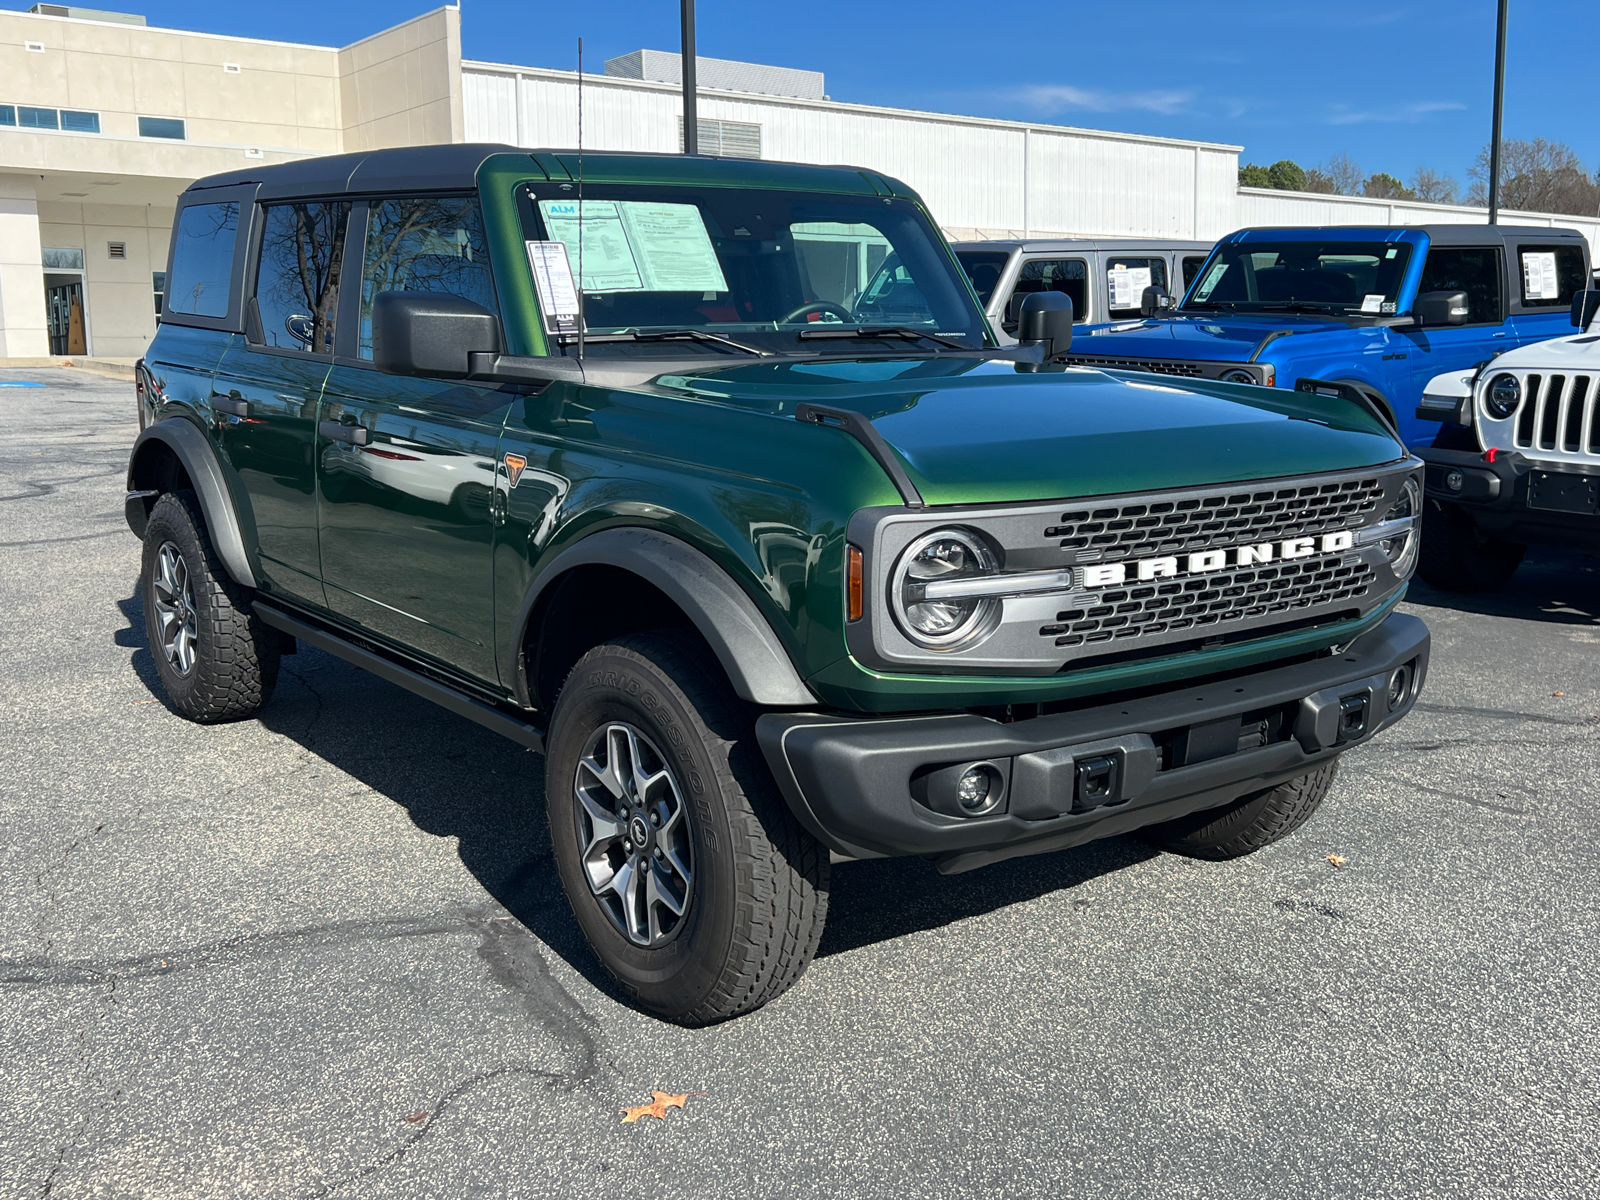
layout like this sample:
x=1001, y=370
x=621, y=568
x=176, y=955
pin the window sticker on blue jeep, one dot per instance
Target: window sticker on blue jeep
x=635, y=245
x=1540, y=281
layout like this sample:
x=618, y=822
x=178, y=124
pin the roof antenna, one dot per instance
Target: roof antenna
x=581, y=321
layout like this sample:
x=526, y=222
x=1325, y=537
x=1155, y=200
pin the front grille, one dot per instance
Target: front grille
x=1156, y=366
x=1213, y=600
x=1559, y=413
x=1143, y=528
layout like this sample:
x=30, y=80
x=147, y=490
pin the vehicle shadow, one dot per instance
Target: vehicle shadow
x=457, y=780
x=1557, y=586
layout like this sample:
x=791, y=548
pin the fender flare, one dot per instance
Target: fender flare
x=755, y=661
x=194, y=450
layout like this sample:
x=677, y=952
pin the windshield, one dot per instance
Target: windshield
x=684, y=270
x=1332, y=276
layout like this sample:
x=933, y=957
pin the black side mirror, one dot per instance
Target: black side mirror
x=430, y=333
x=1154, y=299
x=1441, y=308
x=1584, y=306
x=1046, y=320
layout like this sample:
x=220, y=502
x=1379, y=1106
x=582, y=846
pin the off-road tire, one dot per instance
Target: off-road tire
x=236, y=654
x=1247, y=824
x=760, y=893
x=1457, y=557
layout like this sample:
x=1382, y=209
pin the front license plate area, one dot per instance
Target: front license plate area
x=1558, y=491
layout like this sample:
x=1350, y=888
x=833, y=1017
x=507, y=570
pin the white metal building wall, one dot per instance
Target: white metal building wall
x=981, y=178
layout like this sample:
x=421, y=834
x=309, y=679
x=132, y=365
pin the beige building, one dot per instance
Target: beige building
x=103, y=121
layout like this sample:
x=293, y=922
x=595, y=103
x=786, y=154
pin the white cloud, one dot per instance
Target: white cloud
x=1053, y=98
x=1405, y=114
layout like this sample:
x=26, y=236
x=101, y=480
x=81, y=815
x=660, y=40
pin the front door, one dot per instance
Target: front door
x=1477, y=271
x=407, y=519
x=267, y=388
x=63, y=296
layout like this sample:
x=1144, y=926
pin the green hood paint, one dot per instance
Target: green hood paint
x=982, y=432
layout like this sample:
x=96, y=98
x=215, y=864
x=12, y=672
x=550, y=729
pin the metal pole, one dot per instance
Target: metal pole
x=1499, y=107
x=691, y=120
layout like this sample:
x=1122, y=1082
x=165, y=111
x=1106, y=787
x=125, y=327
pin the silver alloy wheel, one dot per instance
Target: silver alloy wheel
x=633, y=834
x=174, y=599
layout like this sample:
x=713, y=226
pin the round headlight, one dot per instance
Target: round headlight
x=1401, y=549
x=1238, y=377
x=942, y=622
x=1503, y=396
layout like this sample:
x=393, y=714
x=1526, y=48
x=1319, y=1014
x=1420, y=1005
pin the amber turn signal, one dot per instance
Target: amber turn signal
x=853, y=583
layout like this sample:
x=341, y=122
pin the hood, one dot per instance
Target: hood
x=976, y=431
x=1209, y=337
x=1579, y=352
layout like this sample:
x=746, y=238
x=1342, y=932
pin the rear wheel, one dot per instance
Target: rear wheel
x=687, y=873
x=1249, y=823
x=1458, y=557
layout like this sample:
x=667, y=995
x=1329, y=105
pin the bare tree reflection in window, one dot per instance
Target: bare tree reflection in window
x=435, y=244
x=297, y=290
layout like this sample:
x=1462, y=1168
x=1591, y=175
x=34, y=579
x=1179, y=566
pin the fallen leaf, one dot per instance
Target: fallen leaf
x=1337, y=860
x=657, y=1108
x=1558, y=693
x=147, y=702
x=414, y=1118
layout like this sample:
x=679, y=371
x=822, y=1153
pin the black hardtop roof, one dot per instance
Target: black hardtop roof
x=1443, y=234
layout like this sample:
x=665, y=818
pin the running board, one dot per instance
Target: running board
x=441, y=694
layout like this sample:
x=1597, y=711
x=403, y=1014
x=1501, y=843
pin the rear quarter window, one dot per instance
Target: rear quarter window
x=201, y=279
x=1549, y=275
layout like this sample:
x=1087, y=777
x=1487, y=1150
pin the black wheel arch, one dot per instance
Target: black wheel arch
x=676, y=584
x=175, y=453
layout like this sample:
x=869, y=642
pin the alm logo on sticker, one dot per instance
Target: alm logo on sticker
x=1110, y=574
x=515, y=465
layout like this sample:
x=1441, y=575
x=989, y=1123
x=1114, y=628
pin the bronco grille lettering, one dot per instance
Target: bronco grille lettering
x=1098, y=575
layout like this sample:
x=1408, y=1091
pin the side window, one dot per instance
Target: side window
x=433, y=244
x=983, y=268
x=297, y=285
x=1191, y=268
x=1067, y=275
x=202, y=259
x=1475, y=271
x=1550, y=275
x=1126, y=280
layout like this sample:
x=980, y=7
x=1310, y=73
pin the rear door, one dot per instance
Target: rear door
x=407, y=521
x=268, y=385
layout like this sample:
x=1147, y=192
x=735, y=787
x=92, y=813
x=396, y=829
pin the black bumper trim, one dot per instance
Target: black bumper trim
x=850, y=780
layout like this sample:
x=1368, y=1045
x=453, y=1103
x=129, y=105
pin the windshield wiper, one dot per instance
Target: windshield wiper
x=667, y=335
x=904, y=332
x=1297, y=307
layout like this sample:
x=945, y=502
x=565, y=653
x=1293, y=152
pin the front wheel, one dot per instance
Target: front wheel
x=688, y=875
x=1247, y=824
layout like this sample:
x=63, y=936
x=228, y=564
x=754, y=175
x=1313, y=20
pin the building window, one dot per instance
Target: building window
x=71, y=120
x=63, y=258
x=80, y=122
x=8, y=114
x=158, y=284
x=161, y=127
x=726, y=139
x=38, y=118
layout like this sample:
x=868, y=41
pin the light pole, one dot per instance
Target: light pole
x=691, y=122
x=1499, y=105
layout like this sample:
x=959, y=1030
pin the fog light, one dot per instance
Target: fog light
x=1453, y=481
x=1399, y=687
x=978, y=790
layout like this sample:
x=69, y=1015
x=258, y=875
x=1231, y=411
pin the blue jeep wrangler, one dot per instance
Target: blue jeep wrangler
x=1384, y=310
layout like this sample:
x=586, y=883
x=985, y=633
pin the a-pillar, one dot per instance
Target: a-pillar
x=23, y=332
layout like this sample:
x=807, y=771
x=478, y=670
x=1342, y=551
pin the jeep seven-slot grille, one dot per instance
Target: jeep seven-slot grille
x=1559, y=412
x=1149, y=527
x=1155, y=366
x=1210, y=600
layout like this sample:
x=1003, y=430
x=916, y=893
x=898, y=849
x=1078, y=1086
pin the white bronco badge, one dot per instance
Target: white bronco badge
x=1110, y=574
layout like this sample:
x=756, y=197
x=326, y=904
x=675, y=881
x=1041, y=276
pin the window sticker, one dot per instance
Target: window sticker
x=1209, y=283
x=1372, y=302
x=1127, y=285
x=1539, y=280
x=636, y=245
x=552, y=275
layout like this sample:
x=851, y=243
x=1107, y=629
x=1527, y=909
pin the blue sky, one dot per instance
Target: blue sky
x=1394, y=85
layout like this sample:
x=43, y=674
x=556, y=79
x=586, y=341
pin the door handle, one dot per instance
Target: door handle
x=336, y=431
x=230, y=404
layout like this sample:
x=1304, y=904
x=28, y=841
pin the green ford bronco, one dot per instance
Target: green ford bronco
x=734, y=507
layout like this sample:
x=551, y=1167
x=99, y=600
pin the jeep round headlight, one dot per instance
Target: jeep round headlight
x=1503, y=396
x=1401, y=549
x=945, y=618
x=1238, y=376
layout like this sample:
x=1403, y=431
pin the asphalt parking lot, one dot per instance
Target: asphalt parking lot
x=325, y=953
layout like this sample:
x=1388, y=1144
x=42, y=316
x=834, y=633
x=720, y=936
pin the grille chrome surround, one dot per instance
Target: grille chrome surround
x=1044, y=631
x=1558, y=419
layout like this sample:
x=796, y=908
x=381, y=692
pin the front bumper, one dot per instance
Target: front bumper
x=1514, y=497
x=870, y=787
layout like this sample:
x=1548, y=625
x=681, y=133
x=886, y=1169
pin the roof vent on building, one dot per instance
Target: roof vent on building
x=664, y=66
x=85, y=14
x=33, y=47
x=116, y=249
x=231, y=68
